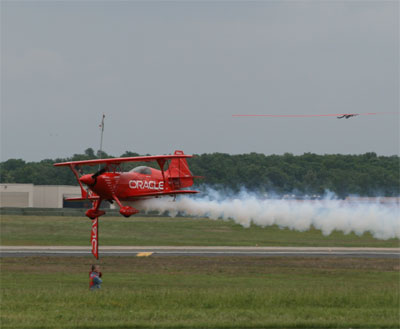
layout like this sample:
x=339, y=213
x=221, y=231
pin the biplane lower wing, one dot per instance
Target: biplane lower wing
x=91, y=198
x=164, y=193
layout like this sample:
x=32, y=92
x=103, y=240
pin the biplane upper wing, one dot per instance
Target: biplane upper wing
x=117, y=161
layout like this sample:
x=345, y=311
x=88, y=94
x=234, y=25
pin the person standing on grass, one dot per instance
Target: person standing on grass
x=94, y=278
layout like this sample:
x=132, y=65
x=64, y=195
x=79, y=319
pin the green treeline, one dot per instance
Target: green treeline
x=364, y=175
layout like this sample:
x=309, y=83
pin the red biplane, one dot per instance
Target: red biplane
x=113, y=185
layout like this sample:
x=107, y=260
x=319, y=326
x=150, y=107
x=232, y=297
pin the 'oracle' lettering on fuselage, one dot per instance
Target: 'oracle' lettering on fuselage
x=146, y=185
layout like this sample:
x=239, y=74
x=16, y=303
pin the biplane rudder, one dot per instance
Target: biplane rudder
x=179, y=173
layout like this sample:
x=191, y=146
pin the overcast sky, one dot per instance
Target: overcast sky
x=169, y=75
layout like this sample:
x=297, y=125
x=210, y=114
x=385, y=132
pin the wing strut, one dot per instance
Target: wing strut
x=83, y=191
x=161, y=163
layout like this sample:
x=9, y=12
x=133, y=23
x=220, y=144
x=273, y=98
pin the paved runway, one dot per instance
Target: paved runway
x=66, y=251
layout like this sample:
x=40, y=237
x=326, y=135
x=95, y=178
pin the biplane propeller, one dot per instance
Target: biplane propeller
x=91, y=179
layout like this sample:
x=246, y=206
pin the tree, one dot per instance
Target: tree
x=364, y=175
x=90, y=153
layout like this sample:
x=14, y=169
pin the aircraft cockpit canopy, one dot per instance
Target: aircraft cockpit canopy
x=142, y=170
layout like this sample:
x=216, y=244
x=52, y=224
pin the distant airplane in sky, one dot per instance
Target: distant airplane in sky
x=347, y=116
x=339, y=115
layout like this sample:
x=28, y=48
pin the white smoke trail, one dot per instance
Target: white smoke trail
x=382, y=221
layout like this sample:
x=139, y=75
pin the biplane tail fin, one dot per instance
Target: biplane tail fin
x=178, y=172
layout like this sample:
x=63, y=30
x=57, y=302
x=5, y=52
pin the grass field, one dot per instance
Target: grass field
x=165, y=231
x=201, y=292
x=193, y=292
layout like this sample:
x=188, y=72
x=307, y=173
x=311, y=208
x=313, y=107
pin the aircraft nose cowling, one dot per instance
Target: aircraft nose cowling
x=87, y=179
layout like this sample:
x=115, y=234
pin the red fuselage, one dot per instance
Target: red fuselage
x=138, y=183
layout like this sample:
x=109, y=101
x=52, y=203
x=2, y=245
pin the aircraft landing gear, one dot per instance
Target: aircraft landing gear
x=125, y=211
x=95, y=212
x=128, y=211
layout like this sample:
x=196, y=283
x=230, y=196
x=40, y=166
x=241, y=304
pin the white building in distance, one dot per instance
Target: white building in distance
x=36, y=196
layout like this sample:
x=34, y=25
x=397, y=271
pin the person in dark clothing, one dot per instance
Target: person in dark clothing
x=94, y=278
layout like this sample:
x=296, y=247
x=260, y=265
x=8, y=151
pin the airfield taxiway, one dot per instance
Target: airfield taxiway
x=67, y=251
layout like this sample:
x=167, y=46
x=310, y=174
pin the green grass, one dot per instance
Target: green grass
x=201, y=292
x=146, y=231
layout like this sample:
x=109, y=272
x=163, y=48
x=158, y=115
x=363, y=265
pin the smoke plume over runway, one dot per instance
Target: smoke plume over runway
x=381, y=220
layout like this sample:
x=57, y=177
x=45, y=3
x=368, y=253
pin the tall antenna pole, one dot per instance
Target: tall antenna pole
x=101, y=136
